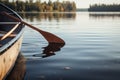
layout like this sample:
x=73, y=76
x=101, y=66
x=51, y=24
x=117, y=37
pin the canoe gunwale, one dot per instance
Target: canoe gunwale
x=10, y=43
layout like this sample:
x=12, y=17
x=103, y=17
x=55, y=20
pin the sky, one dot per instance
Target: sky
x=86, y=3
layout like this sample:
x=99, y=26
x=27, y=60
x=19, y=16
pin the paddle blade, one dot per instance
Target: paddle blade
x=51, y=38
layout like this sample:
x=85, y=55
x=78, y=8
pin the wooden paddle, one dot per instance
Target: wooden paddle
x=9, y=33
x=51, y=38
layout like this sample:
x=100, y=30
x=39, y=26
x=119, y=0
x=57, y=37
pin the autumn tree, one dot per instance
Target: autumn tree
x=39, y=6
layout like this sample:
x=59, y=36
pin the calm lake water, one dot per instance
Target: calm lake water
x=91, y=52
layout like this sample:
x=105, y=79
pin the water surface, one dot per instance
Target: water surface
x=91, y=52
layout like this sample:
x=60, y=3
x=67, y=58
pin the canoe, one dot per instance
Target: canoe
x=11, y=34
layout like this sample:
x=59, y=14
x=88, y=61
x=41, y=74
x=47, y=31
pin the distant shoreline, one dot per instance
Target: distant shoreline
x=105, y=7
x=88, y=10
x=82, y=9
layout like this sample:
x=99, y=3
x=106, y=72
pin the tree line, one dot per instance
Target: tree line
x=57, y=6
x=104, y=7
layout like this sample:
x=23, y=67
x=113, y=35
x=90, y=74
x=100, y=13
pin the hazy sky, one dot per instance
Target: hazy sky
x=86, y=3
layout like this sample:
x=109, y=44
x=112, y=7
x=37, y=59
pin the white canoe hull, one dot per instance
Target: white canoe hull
x=8, y=58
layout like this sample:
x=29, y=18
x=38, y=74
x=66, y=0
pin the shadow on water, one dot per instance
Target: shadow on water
x=50, y=50
x=19, y=70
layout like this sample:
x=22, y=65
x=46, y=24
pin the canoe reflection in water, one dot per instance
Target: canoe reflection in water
x=50, y=49
x=19, y=69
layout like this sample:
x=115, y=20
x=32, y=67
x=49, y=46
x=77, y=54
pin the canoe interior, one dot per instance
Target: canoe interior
x=6, y=24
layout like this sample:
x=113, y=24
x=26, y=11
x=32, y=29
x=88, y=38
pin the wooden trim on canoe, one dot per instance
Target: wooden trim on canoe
x=11, y=31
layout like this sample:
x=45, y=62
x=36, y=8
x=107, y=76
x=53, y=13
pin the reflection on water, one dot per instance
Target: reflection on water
x=50, y=49
x=49, y=16
x=19, y=70
x=104, y=15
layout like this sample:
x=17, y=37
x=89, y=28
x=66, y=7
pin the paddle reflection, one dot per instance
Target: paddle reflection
x=50, y=49
x=19, y=69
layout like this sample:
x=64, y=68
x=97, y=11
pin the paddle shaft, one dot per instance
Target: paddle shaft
x=51, y=38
